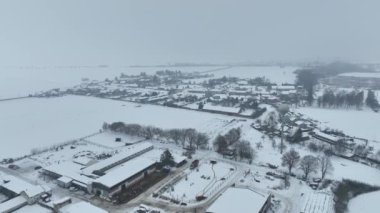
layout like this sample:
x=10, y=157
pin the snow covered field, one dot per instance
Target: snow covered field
x=363, y=123
x=362, y=74
x=275, y=74
x=371, y=201
x=37, y=122
x=345, y=169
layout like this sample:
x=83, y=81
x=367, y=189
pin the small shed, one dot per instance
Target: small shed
x=64, y=182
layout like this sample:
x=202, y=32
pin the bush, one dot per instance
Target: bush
x=313, y=147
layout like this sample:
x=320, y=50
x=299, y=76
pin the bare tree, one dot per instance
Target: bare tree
x=201, y=140
x=244, y=150
x=233, y=135
x=220, y=143
x=175, y=134
x=290, y=159
x=190, y=137
x=308, y=165
x=325, y=165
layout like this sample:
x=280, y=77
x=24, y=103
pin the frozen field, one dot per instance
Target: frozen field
x=33, y=123
x=363, y=124
x=275, y=74
x=22, y=81
x=371, y=201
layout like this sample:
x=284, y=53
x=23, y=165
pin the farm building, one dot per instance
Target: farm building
x=128, y=154
x=325, y=137
x=13, y=204
x=14, y=187
x=34, y=208
x=109, y=176
x=122, y=176
x=68, y=174
x=296, y=135
x=240, y=200
x=64, y=182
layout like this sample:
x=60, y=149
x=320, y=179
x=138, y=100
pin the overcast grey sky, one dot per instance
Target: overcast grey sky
x=90, y=32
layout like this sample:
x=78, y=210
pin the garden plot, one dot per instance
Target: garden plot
x=317, y=202
x=204, y=181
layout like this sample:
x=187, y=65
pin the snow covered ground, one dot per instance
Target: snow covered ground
x=363, y=123
x=368, y=203
x=108, y=139
x=200, y=182
x=38, y=122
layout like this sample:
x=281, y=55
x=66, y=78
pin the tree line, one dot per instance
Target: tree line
x=344, y=99
x=185, y=137
x=372, y=101
x=341, y=99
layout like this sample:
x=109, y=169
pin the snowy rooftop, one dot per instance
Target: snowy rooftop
x=126, y=152
x=81, y=207
x=33, y=209
x=125, y=171
x=18, y=185
x=12, y=203
x=330, y=137
x=70, y=170
x=238, y=200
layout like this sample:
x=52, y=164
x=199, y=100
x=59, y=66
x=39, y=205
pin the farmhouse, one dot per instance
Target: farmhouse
x=240, y=200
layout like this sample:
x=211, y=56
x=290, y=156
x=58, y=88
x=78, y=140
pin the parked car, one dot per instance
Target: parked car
x=12, y=166
x=314, y=185
x=194, y=164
